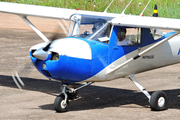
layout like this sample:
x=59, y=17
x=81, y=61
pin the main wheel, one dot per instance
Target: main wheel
x=158, y=101
x=60, y=105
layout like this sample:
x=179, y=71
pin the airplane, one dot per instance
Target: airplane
x=91, y=52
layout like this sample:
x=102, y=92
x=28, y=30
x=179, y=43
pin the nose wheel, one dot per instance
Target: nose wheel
x=61, y=102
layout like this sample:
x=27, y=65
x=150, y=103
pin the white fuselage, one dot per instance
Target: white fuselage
x=163, y=55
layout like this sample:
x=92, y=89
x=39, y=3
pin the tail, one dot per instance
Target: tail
x=155, y=12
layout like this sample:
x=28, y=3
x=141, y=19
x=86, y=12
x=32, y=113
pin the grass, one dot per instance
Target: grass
x=166, y=8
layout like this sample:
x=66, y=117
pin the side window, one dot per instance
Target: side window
x=156, y=33
x=129, y=36
x=134, y=35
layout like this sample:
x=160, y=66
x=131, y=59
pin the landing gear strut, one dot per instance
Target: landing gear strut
x=158, y=100
x=61, y=102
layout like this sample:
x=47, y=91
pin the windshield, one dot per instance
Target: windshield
x=88, y=27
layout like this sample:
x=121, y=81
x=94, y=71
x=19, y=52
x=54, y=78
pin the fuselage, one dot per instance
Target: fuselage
x=82, y=60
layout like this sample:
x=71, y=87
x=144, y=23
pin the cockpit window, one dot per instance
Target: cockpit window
x=90, y=28
x=101, y=34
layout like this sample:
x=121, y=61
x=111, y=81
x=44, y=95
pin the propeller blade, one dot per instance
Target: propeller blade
x=18, y=80
x=42, y=53
x=53, y=38
x=65, y=32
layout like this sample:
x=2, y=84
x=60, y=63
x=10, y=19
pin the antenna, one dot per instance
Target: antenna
x=108, y=6
x=126, y=7
x=144, y=8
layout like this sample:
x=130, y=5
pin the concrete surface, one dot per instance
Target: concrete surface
x=117, y=99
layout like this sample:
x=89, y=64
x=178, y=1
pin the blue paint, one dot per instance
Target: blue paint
x=66, y=68
x=179, y=51
x=168, y=34
x=99, y=56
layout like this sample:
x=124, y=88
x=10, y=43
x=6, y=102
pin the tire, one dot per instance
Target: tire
x=60, y=105
x=158, y=101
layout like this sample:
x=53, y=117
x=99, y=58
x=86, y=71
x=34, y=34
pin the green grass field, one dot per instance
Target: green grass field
x=166, y=8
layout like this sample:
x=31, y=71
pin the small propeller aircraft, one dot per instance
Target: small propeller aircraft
x=92, y=51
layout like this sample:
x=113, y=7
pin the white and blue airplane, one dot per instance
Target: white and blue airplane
x=92, y=53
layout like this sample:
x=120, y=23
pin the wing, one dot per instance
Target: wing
x=62, y=13
x=24, y=10
x=147, y=22
x=48, y=12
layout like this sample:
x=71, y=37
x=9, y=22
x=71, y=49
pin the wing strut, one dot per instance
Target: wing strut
x=35, y=29
x=142, y=53
x=145, y=8
x=105, y=11
x=126, y=7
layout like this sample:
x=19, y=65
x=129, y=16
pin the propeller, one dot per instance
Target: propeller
x=53, y=38
x=41, y=53
x=57, y=36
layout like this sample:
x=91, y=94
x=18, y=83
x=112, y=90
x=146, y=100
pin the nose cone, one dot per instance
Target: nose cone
x=40, y=54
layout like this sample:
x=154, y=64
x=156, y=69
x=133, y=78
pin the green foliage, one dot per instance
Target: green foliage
x=166, y=8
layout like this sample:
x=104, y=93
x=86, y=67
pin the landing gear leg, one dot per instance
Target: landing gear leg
x=61, y=102
x=158, y=100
